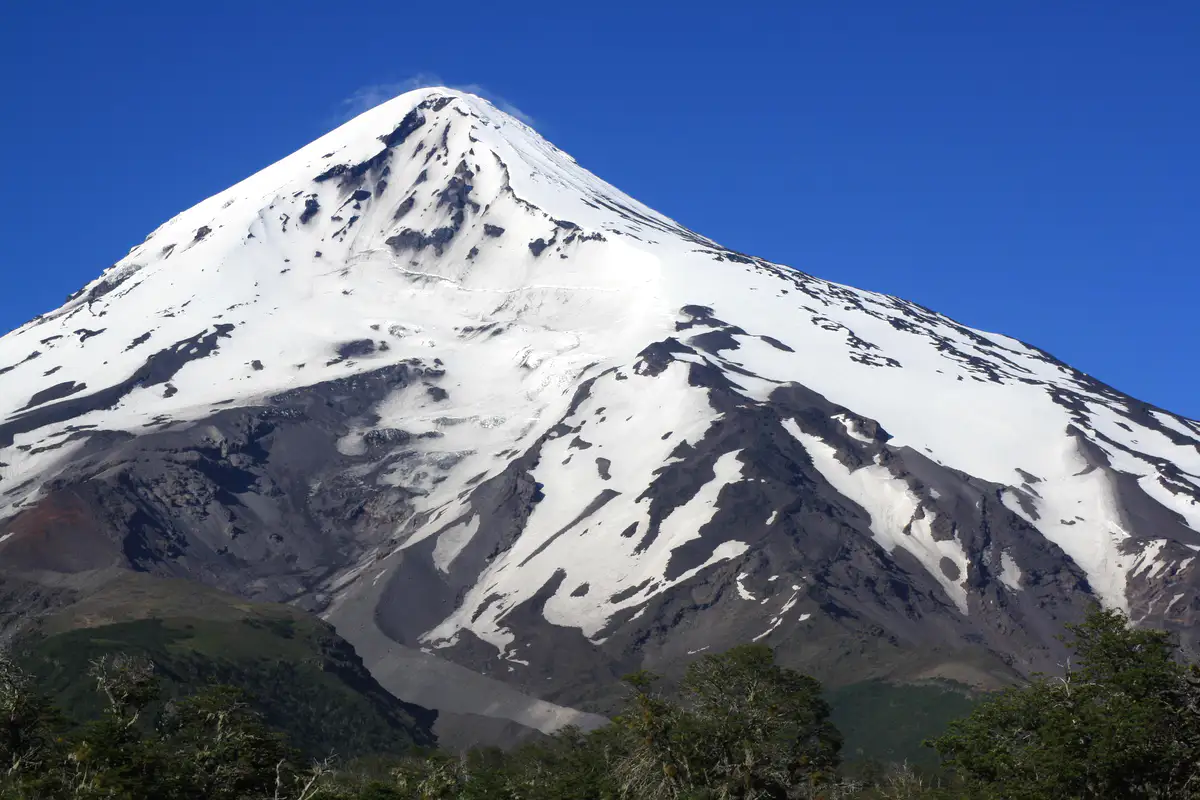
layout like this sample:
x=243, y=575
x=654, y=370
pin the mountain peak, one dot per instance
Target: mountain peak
x=430, y=376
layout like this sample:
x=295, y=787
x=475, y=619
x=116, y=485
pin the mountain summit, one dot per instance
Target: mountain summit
x=514, y=434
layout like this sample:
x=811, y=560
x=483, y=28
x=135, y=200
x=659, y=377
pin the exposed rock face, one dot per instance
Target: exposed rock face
x=434, y=381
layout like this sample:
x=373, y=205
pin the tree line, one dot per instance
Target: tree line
x=1121, y=720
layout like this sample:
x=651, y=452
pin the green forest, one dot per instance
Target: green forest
x=1122, y=720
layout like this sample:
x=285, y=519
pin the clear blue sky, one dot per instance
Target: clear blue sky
x=1023, y=166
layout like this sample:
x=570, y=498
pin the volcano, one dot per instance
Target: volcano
x=515, y=434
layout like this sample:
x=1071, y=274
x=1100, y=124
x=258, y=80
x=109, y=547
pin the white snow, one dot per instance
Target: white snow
x=852, y=428
x=897, y=518
x=592, y=550
x=777, y=620
x=1010, y=572
x=518, y=334
x=451, y=542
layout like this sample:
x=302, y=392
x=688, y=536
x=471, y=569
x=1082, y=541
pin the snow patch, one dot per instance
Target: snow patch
x=852, y=430
x=451, y=542
x=897, y=517
x=1010, y=572
x=777, y=620
x=589, y=548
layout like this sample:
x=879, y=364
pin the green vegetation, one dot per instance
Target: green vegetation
x=887, y=723
x=300, y=676
x=1123, y=721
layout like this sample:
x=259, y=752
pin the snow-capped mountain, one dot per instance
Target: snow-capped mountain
x=431, y=378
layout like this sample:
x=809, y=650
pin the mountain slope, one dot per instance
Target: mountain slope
x=431, y=378
x=303, y=678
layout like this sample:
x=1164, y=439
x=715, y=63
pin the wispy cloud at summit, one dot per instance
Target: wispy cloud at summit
x=367, y=97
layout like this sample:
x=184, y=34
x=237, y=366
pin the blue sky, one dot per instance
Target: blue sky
x=1025, y=167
